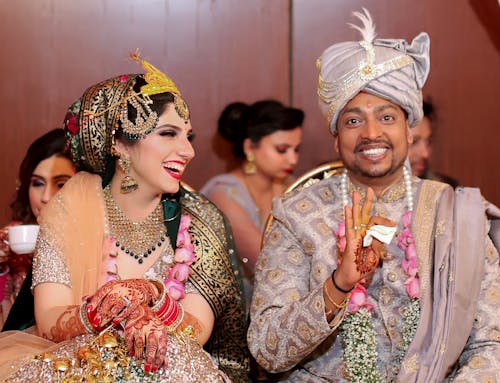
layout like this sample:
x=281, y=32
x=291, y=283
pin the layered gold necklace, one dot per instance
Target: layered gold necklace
x=137, y=239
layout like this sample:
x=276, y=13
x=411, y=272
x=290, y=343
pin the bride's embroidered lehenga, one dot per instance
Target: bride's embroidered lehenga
x=71, y=233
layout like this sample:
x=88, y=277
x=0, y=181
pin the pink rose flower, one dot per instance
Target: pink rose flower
x=180, y=272
x=175, y=289
x=185, y=222
x=123, y=78
x=413, y=287
x=407, y=218
x=340, y=234
x=185, y=254
x=358, y=299
x=411, y=251
x=182, y=238
x=410, y=266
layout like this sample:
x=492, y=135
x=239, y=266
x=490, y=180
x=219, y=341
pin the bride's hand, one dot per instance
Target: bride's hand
x=119, y=298
x=146, y=338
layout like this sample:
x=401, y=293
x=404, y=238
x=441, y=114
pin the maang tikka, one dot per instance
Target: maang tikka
x=128, y=184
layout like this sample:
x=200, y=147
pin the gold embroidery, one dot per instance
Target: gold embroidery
x=493, y=295
x=410, y=365
x=303, y=205
x=275, y=275
x=352, y=81
x=495, y=334
x=292, y=351
x=271, y=341
x=290, y=295
x=440, y=228
x=451, y=277
x=422, y=228
x=476, y=362
x=295, y=256
x=442, y=348
x=323, y=228
x=304, y=330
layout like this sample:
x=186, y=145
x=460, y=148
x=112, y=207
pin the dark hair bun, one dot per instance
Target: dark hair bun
x=231, y=124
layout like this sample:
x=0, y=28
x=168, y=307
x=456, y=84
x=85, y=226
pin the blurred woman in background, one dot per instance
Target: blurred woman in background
x=44, y=170
x=266, y=137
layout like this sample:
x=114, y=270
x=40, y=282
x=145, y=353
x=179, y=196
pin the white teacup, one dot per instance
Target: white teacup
x=22, y=238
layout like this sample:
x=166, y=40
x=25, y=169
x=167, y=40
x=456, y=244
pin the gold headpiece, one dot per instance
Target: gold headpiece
x=158, y=82
x=92, y=120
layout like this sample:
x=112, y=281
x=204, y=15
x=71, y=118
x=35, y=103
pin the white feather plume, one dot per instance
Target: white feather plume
x=368, y=29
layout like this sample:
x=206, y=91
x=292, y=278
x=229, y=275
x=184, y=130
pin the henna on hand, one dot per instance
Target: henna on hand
x=68, y=325
x=146, y=337
x=117, y=299
x=365, y=258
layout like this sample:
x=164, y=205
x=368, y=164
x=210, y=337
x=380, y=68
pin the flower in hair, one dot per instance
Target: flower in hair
x=72, y=125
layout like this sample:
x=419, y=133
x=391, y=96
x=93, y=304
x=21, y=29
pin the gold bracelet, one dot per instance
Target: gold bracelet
x=340, y=305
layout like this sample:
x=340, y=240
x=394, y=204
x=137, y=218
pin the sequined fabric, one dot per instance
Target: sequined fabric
x=187, y=362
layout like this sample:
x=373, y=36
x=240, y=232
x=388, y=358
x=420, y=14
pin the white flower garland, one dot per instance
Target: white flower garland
x=360, y=347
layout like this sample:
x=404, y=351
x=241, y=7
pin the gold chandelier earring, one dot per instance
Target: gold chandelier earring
x=129, y=184
x=249, y=167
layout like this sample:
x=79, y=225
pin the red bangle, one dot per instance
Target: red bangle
x=165, y=307
x=171, y=315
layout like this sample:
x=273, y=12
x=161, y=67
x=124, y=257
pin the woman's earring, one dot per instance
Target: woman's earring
x=249, y=168
x=128, y=184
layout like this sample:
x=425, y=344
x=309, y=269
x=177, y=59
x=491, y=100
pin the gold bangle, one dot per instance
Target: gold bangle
x=340, y=305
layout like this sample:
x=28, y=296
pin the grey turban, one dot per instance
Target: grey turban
x=387, y=68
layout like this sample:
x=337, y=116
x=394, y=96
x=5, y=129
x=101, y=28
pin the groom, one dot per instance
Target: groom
x=375, y=275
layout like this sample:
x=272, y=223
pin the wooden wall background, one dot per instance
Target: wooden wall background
x=219, y=51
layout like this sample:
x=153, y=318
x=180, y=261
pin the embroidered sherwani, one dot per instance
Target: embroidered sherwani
x=289, y=333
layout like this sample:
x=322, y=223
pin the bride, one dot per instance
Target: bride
x=132, y=276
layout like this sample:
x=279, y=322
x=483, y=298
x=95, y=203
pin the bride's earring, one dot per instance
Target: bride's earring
x=129, y=184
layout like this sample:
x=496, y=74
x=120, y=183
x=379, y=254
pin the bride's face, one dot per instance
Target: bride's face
x=158, y=161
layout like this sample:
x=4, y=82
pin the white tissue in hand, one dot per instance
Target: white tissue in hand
x=382, y=233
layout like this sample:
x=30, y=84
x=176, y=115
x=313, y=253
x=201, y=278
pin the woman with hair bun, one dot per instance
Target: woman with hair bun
x=266, y=137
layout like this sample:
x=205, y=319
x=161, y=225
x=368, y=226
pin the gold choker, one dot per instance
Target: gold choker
x=137, y=239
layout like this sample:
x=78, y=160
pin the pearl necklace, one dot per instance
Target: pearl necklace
x=407, y=182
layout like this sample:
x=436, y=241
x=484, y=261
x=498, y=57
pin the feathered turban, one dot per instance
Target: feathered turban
x=387, y=68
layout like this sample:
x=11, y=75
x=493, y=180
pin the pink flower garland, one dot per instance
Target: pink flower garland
x=184, y=256
x=410, y=265
x=359, y=296
x=178, y=274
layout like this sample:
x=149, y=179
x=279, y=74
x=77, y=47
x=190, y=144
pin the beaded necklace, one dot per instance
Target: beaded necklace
x=137, y=239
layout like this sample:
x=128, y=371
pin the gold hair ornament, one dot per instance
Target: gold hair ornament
x=158, y=82
x=146, y=120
